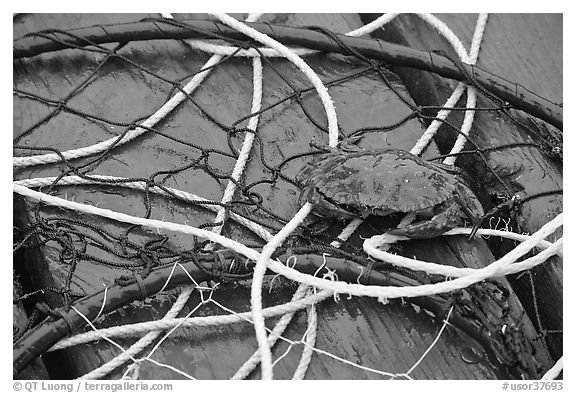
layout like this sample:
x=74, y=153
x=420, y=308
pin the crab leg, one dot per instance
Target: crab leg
x=407, y=220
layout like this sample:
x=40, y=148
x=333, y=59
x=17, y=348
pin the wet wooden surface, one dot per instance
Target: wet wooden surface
x=389, y=338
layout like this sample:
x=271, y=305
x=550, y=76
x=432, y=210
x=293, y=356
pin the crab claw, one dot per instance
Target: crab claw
x=448, y=218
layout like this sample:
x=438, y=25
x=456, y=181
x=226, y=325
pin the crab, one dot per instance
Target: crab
x=353, y=183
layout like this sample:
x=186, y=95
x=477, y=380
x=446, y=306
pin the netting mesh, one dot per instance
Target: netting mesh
x=179, y=193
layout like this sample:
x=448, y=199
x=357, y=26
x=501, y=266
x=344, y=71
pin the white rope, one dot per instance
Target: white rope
x=371, y=247
x=246, y=145
x=477, y=38
x=310, y=343
x=555, y=370
x=447, y=33
x=372, y=26
x=427, y=136
x=472, y=94
x=429, y=289
x=455, y=42
x=160, y=114
x=244, y=153
x=256, y=289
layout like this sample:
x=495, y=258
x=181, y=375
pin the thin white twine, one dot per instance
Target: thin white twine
x=141, y=344
x=444, y=324
x=157, y=345
x=127, y=352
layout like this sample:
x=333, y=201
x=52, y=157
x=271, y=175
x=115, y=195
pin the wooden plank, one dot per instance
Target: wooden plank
x=387, y=338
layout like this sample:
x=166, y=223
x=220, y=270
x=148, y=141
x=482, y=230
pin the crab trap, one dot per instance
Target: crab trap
x=339, y=196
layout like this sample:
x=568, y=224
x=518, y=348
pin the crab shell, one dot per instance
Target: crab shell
x=381, y=182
